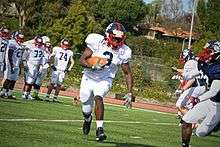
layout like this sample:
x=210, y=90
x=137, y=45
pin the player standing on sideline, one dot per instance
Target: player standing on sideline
x=97, y=80
x=208, y=109
x=13, y=57
x=62, y=55
x=38, y=82
x=4, y=36
x=32, y=60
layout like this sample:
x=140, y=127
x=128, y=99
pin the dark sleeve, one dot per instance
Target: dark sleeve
x=10, y=56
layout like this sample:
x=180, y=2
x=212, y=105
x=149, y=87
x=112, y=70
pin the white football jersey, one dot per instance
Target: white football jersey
x=34, y=55
x=61, y=58
x=191, y=68
x=14, y=52
x=99, y=47
x=3, y=46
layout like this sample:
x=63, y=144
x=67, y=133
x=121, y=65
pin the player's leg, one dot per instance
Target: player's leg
x=51, y=86
x=210, y=121
x=182, y=100
x=5, y=88
x=192, y=117
x=38, y=83
x=30, y=79
x=13, y=78
x=60, y=78
x=86, y=98
x=6, y=83
x=100, y=90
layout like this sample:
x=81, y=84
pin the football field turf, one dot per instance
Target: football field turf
x=40, y=123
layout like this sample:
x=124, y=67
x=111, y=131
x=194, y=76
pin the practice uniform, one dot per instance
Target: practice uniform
x=43, y=72
x=208, y=109
x=61, y=60
x=99, y=82
x=34, y=58
x=197, y=88
x=3, y=46
x=13, y=58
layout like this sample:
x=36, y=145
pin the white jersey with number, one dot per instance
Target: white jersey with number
x=3, y=46
x=14, y=53
x=61, y=58
x=117, y=57
x=34, y=55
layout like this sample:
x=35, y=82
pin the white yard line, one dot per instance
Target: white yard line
x=72, y=120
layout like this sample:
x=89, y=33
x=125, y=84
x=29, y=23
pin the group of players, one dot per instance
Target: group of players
x=199, y=101
x=37, y=56
x=199, y=91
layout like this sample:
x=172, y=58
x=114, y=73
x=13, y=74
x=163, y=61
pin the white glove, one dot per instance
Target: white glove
x=178, y=92
x=128, y=100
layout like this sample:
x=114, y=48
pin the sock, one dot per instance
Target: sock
x=55, y=97
x=47, y=95
x=99, y=123
x=9, y=93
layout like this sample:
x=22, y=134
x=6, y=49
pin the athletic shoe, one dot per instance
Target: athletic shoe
x=87, y=126
x=56, y=100
x=216, y=128
x=100, y=136
x=30, y=97
x=24, y=97
x=46, y=98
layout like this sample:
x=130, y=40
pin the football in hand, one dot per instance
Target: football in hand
x=97, y=60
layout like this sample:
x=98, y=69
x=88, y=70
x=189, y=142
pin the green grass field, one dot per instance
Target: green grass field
x=39, y=123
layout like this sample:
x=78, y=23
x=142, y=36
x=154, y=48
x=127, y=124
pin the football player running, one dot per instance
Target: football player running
x=208, y=109
x=13, y=58
x=97, y=80
x=4, y=36
x=193, y=87
x=33, y=63
x=62, y=56
x=43, y=73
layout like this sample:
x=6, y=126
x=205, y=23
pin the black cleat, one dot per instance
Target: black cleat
x=216, y=128
x=100, y=136
x=87, y=126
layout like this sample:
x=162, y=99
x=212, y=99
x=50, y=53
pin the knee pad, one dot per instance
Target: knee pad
x=97, y=97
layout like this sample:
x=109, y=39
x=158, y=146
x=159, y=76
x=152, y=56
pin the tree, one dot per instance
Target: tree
x=25, y=8
x=75, y=26
x=129, y=12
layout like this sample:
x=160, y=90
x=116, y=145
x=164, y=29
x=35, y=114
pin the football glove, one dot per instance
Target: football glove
x=128, y=100
x=53, y=68
x=178, y=92
x=97, y=66
x=174, y=68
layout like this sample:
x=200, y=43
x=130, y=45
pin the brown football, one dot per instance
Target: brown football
x=94, y=60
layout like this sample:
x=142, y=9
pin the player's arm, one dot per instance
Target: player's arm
x=71, y=63
x=128, y=76
x=213, y=91
x=86, y=54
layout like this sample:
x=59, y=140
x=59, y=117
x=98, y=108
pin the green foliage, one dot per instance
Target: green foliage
x=128, y=13
x=75, y=26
